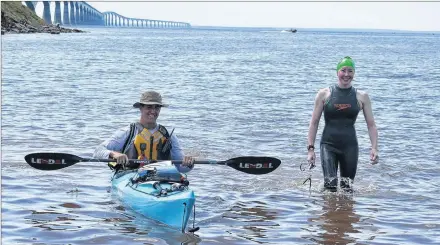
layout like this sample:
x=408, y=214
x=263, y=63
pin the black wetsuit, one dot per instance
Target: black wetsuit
x=339, y=142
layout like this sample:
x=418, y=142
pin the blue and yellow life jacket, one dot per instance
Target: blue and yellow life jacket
x=146, y=146
x=154, y=146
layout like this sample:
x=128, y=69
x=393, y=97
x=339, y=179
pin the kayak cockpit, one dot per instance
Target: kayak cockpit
x=158, y=188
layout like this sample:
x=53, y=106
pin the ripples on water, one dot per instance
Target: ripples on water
x=232, y=93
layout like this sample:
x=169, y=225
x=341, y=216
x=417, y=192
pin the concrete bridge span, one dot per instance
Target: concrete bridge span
x=114, y=19
x=82, y=13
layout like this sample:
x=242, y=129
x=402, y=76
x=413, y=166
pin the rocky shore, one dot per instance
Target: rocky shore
x=17, y=18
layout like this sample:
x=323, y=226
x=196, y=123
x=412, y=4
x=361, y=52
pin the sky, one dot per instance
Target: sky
x=413, y=16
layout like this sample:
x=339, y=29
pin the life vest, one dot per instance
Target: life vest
x=142, y=148
x=154, y=146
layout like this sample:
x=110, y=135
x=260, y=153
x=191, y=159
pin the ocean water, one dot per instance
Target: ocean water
x=232, y=93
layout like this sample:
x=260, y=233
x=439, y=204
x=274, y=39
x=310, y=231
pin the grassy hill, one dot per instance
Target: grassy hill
x=17, y=12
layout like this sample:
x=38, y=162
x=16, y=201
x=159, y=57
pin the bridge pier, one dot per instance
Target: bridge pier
x=83, y=15
x=77, y=14
x=58, y=12
x=47, y=17
x=72, y=13
x=86, y=16
x=66, y=13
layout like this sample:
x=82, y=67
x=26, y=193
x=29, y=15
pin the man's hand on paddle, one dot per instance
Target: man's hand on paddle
x=188, y=161
x=119, y=157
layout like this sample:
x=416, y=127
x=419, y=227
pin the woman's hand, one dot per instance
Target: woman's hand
x=311, y=156
x=374, y=156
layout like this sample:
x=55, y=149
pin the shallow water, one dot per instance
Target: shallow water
x=232, y=93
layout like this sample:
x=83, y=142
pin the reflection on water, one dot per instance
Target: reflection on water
x=50, y=220
x=146, y=231
x=337, y=219
x=254, y=217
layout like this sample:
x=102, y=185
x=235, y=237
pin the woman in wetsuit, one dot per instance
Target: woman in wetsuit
x=341, y=104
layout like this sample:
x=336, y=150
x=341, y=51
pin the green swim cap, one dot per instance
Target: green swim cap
x=346, y=61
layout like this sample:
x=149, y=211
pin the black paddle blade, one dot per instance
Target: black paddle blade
x=254, y=165
x=51, y=161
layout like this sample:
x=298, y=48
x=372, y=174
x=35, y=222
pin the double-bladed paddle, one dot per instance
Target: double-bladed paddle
x=247, y=164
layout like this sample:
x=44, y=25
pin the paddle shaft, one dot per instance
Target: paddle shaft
x=136, y=161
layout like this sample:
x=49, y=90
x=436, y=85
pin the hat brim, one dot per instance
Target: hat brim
x=138, y=104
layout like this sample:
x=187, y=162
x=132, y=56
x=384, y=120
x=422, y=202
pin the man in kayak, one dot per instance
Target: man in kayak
x=341, y=104
x=145, y=139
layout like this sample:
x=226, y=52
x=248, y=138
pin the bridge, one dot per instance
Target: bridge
x=82, y=13
x=115, y=19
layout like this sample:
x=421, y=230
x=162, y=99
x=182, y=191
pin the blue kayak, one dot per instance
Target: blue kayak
x=158, y=191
